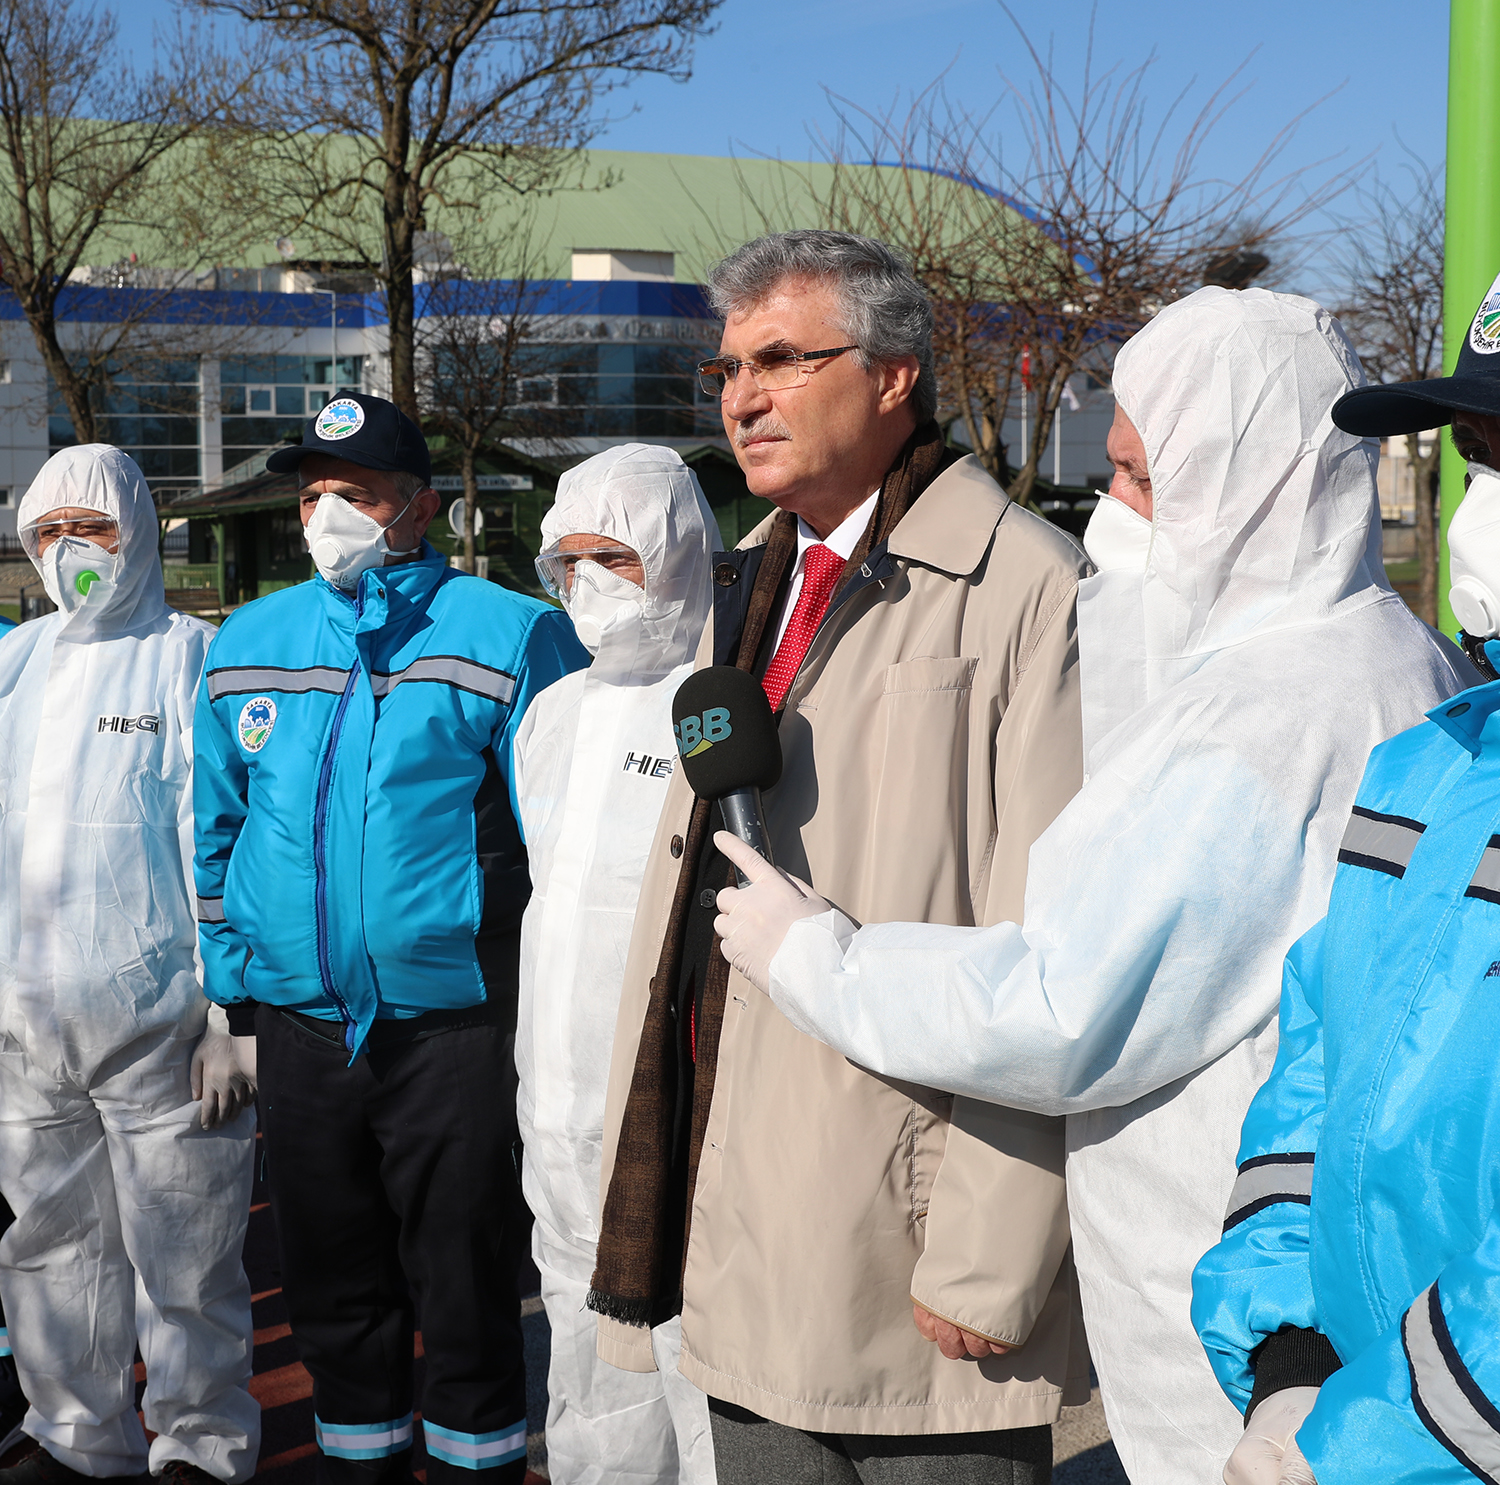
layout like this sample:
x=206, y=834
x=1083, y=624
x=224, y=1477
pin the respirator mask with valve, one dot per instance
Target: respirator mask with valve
x=1474, y=568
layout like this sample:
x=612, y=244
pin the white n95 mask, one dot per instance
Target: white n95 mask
x=345, y=542
x=1117, y=538
x=77, y=572
x=600, y=602
x=1474, y=555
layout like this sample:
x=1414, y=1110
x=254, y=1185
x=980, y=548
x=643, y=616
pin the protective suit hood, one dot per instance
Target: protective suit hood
x=647, y=498
x=96, y=476
x=1266, y=515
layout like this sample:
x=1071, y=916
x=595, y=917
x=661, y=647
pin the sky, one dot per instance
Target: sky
x=760, y=82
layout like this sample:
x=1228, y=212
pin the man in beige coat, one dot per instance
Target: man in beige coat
x=874, y=1278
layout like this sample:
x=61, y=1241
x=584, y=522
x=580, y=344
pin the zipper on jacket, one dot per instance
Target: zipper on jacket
x=320, y=848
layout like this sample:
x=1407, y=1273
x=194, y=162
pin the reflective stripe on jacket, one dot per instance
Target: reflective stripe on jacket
x=357, y=845
x=1369, y=1171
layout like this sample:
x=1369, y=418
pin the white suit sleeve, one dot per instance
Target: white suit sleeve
x=1158, y=906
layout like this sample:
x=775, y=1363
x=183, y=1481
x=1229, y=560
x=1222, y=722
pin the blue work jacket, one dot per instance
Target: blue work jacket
x=357, y=845
x=1366, y=1202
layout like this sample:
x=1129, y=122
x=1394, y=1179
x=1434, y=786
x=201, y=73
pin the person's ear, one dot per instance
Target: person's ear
x=898, y=380
x=424, y=508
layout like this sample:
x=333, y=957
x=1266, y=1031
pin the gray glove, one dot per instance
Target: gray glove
x=244, y=1057
x=220, y=1088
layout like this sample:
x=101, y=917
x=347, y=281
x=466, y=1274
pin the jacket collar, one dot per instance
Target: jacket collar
x=1470, y=718
x=951, y=523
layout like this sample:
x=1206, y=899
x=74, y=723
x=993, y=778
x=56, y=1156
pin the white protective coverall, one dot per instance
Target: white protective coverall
x=130, y=1216
x=1230, y=697
x=593, y=759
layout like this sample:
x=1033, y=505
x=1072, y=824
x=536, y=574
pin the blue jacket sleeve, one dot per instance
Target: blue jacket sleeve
x=1256, y=1280
x=551, y=650
x=220, y=800
x=1422, y=1404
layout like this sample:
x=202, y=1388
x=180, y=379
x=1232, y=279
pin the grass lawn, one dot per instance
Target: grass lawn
x=10, y=611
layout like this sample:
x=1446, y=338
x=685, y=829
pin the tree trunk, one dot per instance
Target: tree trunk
x=471, y=508
x=73, y=389
x=400, y=300
x=1425, y=484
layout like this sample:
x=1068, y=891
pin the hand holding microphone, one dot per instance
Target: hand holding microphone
x=754, y=919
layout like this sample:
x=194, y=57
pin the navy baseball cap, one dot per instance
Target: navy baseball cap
x=368, y=431
x=1412, y=407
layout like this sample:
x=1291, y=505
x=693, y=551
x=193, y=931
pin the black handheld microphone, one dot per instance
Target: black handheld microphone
x=726, y=737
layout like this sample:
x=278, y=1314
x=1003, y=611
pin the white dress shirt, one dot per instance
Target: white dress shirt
x=842, y=539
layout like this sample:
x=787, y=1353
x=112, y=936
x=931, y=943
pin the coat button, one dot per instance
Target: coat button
x=676, y=846
x=707, y=897
x=726, y=574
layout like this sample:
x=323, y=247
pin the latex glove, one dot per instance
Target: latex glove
x=753, y=921
x=244, y=1058
x=1295, y=1470
x=219, y=1087
x=1268, y=1438
x=953, y=1340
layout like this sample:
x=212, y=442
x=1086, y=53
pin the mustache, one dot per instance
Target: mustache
x=764, y=426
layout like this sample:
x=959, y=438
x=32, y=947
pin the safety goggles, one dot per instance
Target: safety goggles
x=555, y=568
x=99, y=529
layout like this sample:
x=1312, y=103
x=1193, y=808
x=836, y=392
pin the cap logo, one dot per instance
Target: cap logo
x=342, y=418
x=1484, y=333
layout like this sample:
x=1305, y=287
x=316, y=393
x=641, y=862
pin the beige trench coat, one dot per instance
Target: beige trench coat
x=932, y=734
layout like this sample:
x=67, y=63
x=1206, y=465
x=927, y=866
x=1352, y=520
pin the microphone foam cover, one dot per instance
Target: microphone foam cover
x=726, y=735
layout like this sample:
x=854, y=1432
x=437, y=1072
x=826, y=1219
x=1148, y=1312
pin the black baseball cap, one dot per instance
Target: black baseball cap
x=1412, y=407
x=368, y=431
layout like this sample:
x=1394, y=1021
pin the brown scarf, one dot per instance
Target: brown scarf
x=643, y=1235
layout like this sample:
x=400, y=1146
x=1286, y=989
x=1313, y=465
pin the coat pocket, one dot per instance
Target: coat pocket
x=917, y=867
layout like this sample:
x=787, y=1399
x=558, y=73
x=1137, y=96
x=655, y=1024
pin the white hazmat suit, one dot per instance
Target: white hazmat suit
x=593, y=758
x=130, y=1215
x=1230, y=695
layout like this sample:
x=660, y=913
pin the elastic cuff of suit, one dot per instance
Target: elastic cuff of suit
x=1291, y=1358
x=241, y=1014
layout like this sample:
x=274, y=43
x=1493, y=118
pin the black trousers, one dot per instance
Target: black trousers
x=751, y=1450
x=395, y=1194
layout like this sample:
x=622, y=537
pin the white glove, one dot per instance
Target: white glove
x=1268, y=1440
x=244, y=1058
x=753, y=921
x=1295, y=1470
x=219, y=1087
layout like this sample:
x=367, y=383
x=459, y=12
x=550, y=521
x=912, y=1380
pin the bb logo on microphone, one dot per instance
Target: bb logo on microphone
x=697, y=734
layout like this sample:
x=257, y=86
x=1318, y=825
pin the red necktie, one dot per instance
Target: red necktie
x=821, y=569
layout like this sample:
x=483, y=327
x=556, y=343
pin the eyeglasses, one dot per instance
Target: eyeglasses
x=779, y=369
x=555, y=568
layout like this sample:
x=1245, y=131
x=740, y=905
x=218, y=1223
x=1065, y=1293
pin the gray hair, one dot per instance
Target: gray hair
x=408, y=486
x=884, y=310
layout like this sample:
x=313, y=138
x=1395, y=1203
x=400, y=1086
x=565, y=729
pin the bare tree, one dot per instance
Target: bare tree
x=476, y=337
x=1047, y=254
x=1394, y=314
x=384, y=112
x=92, y=154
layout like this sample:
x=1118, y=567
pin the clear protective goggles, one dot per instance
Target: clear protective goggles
x=100, y=528
x=555, y=568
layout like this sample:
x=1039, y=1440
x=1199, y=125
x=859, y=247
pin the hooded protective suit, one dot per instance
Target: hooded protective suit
x=130, y=1216
x=593, y=758
x=1231, y=694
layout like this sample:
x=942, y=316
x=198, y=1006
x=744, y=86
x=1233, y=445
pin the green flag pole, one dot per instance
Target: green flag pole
x=1471, y=233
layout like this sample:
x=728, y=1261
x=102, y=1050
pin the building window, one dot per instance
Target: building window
x=4, y=497
x=286, y=540
x=148, y=408
x=264, y=400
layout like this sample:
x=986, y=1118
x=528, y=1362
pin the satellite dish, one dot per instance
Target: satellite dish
x=456, y=518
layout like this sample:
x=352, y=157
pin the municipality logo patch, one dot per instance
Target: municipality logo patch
x=342, y=418
x=257, y=718
x=1484, y=333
